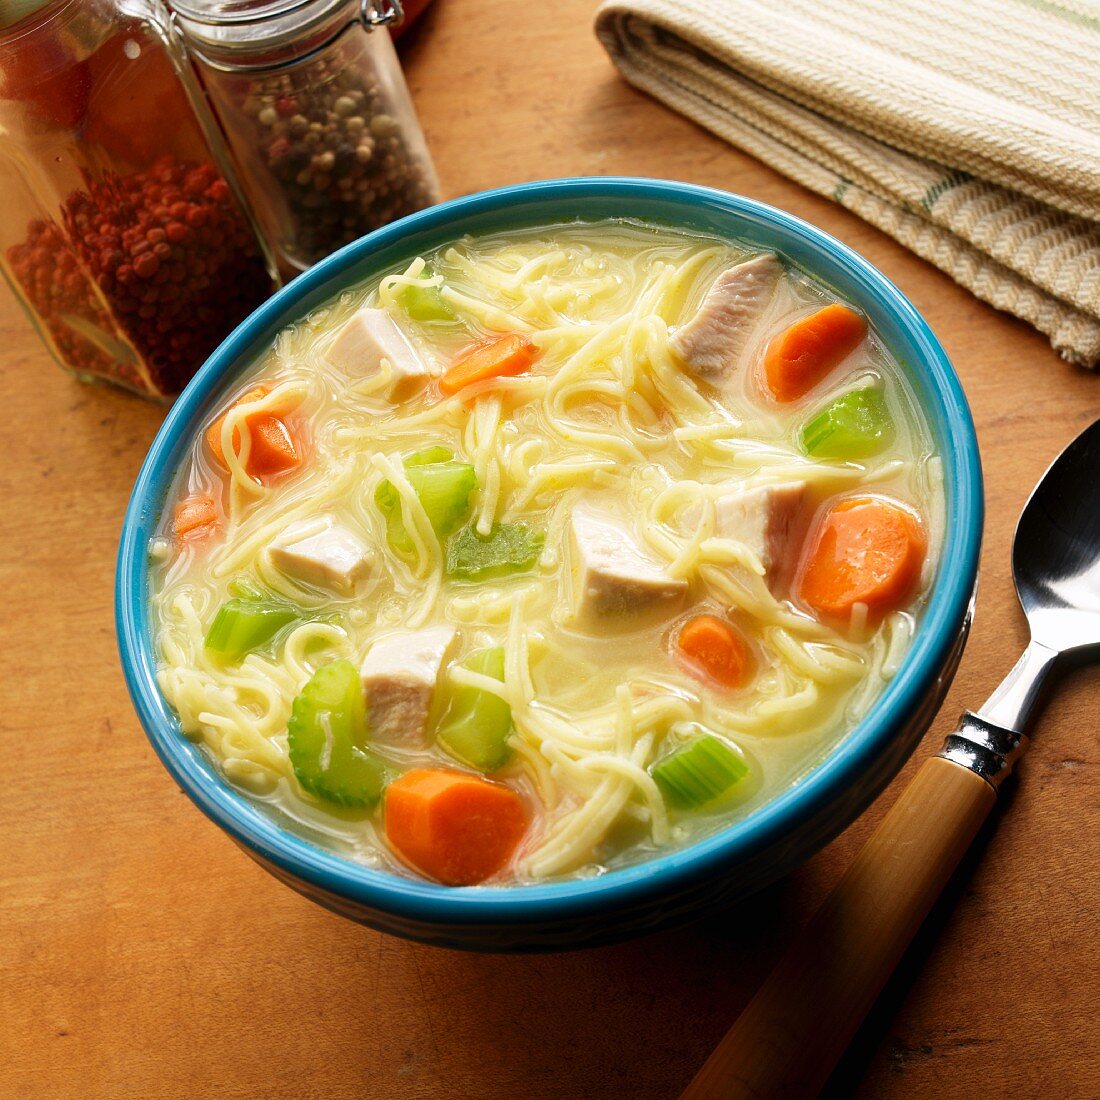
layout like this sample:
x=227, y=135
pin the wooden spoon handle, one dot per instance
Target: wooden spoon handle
x=790, y=1037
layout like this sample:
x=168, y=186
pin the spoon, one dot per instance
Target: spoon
x=793, y=1032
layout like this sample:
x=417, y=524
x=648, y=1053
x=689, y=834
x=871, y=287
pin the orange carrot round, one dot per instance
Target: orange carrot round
x=801, y=355
x=272, y=447
x=866, y=550
x=714, y=647
x=456, y=828
x=503, y=355
x=196, y=515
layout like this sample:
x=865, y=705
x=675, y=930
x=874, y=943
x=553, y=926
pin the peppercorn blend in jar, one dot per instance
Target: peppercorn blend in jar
x=121, y=235
x=312, y=102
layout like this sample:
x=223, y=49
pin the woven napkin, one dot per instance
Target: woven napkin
x=970, y=130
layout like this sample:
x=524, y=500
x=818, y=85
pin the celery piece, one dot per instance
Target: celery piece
x=388, y=502
x=443, y=487
x=325, y=735
x=425, y=303
x=699, y=772
x=508, y=548
x=428, y=456
x=444, y=490
x=855, y=425
x=477, y=723
x=245, y=623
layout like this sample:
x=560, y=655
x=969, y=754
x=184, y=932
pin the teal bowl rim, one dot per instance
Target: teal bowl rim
x=247, y=821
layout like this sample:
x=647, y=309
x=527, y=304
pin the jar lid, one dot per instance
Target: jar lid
x=273, y=31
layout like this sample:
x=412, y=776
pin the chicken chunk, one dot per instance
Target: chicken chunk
x=332, y=557
x=399, y=678
x=368, y=338
x=760, y=519
x=712, y=341
x=614, y=577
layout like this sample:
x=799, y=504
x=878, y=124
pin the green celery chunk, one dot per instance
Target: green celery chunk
x=443, y=487
x=477, y=724
x=509, y=548
x=245, y=623
x=698, y=772
x=428, y=456
x=425, y=303
x=325, y=734
x=388, y=502
x=444, y=490
x=855, y=425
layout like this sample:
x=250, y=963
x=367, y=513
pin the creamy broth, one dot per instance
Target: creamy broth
x=607, y=414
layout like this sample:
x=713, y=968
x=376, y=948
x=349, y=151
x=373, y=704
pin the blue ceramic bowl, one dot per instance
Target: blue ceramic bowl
x=714, y=871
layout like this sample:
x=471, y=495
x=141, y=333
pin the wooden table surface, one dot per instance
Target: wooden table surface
x=142, y=954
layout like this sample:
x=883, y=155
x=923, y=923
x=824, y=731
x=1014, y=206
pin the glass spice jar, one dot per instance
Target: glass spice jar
x=313, y=105
x=121, y=234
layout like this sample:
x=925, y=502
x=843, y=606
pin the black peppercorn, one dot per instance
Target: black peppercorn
x=333, y=145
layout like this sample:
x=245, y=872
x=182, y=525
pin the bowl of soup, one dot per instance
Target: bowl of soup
x=555, y=564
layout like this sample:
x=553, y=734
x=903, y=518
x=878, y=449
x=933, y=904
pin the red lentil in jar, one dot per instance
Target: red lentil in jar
x=129, y=249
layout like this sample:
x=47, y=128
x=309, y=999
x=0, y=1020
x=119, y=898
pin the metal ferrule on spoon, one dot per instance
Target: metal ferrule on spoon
x=989, y=742
x=793, y=1032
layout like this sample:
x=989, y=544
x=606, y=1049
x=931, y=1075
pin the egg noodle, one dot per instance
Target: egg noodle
x=606, y=412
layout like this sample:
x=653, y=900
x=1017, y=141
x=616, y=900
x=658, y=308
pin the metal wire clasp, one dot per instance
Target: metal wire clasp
x=384, y=13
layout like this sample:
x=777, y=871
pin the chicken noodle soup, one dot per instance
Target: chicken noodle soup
x=552, y=551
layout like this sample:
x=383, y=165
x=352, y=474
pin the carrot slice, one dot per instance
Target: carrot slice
x=867, y=550
x=715, y=648
x=800, y=356
x=503, y=355
x=195, y=515
x=456, y=828
x=272, y=447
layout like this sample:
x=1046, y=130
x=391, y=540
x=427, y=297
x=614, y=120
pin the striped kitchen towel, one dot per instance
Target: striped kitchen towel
x=970, y=131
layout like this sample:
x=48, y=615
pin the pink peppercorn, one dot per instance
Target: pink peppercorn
x=146, y=265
